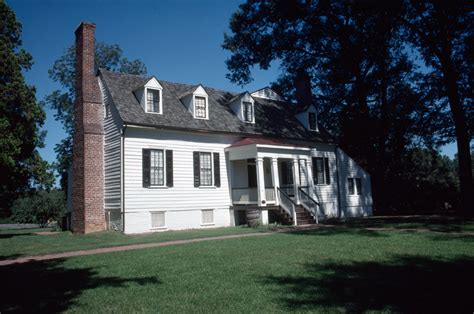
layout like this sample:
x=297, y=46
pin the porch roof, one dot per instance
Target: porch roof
x=268, y=141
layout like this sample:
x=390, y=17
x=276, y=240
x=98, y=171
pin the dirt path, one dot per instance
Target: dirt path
x=46, y=257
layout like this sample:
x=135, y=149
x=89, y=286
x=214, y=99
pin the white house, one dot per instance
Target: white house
x=178, y=156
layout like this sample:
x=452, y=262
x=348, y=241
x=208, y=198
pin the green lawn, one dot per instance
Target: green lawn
x=26, y=242
x=348, y=269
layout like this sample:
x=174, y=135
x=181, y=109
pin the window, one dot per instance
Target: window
x=321, y=174
x=207, y=216
x=153, y=100
x=351, y=186
x=158, y=220
x=355, y=186
x=358, y=186
x=157, y=167
x=200, y=107
x=247, y=111
x=312, y=121
x=303, y=173
x=205, y=169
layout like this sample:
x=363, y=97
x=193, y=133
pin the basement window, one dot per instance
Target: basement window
x=158, y=220
x=207, y=216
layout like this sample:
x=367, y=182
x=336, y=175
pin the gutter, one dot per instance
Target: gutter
x=122, y=173
x=338, y=184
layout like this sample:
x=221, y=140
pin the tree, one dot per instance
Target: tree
x=109, y=57
x=21, y=117
x=365, y=83
x=443, y=32
x=39, y=207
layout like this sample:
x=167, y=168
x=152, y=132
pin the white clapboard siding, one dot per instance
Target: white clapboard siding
x=183, y=202
x=112, y=155
x=354, y=205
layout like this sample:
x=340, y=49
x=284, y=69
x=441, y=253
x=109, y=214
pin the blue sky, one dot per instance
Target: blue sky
x=179, y=41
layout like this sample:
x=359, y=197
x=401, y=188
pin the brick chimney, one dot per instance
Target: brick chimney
x=303, y=89
x=88, y=187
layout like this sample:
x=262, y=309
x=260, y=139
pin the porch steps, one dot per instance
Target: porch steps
x=302, y=216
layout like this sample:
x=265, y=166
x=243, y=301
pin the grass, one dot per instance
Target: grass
x=26, y=242
x=347, y=269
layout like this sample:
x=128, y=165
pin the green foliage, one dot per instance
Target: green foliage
x=39, y=207
x=364, y=75
x=21, y=117
x=109, y=57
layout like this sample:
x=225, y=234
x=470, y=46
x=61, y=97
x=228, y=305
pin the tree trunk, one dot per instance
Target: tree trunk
x=462, y=136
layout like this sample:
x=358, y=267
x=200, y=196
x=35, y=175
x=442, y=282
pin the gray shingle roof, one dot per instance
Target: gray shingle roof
x=272, y=118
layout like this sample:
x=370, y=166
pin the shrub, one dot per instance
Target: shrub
x=40, y=207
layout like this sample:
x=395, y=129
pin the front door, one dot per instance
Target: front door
x=285, y=169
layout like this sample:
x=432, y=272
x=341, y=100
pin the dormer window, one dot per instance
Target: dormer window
x=153, y=101
x=312, y=121
x=247, y=111
x=200, y=107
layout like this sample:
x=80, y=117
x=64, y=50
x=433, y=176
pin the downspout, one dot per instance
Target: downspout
x=122, y=176
x=338, y=185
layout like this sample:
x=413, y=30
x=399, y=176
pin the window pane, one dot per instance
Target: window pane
x=208, y=216
x=158, y=220
x=359, y=186
x=319, y=171
x=200, y=107
x=157, y=171
x=205, y=169
x=248, y=112
x=351, y=186
x=153, y=100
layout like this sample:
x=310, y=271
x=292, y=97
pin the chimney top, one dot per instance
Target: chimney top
x=84, y=24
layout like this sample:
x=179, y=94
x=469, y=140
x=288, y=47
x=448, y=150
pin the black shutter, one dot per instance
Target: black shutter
x=315, y=170
x=197, y=170
x=146, y=167
x=217, y=170
x=326, y=166
x=169, y=168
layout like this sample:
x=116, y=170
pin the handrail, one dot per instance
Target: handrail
x=309, y=207
x=292, y=211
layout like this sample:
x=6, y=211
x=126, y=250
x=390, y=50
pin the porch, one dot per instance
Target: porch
x=271, y=176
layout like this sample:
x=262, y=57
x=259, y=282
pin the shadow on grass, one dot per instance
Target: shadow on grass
x=51, y=287
x=337, y=230
x=431, y=223
x=404, y=284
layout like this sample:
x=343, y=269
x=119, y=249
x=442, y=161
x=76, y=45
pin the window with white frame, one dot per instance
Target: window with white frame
x=321, y=173
x=354, y=186
x=157, y=167
x=200, y=107
x=247, y=111
x=207, y=216
x=153, y=100
x=205, y=168
x=158, y=220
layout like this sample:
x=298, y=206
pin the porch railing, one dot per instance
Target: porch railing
x=287, y=204
x=308, y=202
x=244, y=195
x=270, y=195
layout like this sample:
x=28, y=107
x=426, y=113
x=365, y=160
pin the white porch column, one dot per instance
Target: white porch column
x=261, y=189
x=310, y=178
x=275, y=179
x=260, y=182
x=296, y=179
